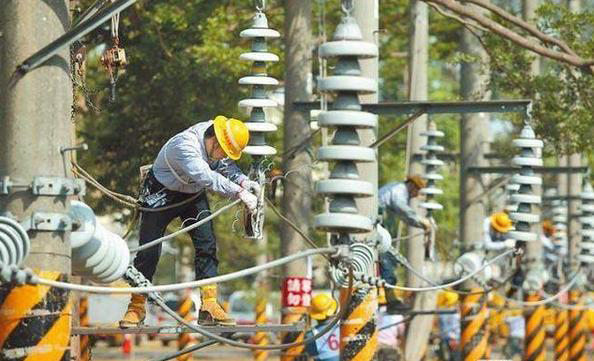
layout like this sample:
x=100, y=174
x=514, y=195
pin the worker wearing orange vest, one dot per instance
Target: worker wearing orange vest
x=196, y=160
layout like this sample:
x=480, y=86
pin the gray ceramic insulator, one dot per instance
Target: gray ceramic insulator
x=432, y=165
x=346, y=117
x=586, y=254
x=260, y=83
x=525, y=198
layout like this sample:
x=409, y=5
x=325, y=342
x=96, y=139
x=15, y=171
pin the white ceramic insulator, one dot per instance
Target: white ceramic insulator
x=97, y=253
x=14, y=242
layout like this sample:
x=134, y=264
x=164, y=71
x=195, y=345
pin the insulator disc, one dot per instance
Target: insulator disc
x=432, y=148
x=353, y=48
x=525, y=217
x=257, y=103
x=524, y=179
x=349, y=83
x=435, y=162
x=261, y=127
x=526, y=198
x=432, y=191
x=527, y=143
x=258, y=80
x=432, y=133
x=343, y=222
x=259, y=33
x=259, y=56
x=356, y=188
x=524, y=161
x=346, y=152
x=259, y=150
x=345, y=118
x=523, y=236
x=430, y=205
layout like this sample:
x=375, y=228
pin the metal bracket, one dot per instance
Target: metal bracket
x=48, y=221
x=57, y=186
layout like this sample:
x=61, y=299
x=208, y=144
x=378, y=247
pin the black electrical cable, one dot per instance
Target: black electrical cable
x=192, y=348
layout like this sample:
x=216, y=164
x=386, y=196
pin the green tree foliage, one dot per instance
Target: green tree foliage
x=563, y=109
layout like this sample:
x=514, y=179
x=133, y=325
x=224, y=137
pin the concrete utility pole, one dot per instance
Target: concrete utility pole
x=474, y=130
x=366, y=13
x=35, y=123
x=298, y=190
x=420, y=327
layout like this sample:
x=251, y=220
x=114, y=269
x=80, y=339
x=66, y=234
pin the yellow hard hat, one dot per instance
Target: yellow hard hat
x=548, y=228
x=322, y=306
x=232, y=135
x=417, y=181
x=501, y=222
x=447, y=299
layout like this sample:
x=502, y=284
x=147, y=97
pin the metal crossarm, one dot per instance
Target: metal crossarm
x=403, y=108
x=512, y=170
x=99, y=330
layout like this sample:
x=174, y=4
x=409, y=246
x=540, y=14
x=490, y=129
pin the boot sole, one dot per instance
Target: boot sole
x=124, y=324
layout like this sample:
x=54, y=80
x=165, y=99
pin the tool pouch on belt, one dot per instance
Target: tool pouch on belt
x=153, y=194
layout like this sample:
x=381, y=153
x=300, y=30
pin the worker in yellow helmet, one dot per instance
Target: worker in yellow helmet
x=449, y=326
x=197, y=160
x=395, y=198
x=325, y=348
x=495, y=232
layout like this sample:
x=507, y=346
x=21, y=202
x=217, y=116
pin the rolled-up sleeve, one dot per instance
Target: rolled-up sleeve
x=229, y=169
x=186, y=157
x=405, y=212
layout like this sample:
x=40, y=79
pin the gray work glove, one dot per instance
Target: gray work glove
x=250, y=200
x=251, y=186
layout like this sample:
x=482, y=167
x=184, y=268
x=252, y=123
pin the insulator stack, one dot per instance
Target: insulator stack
x=586, y=255
x=14, y=242
x=432, y=165
x=528, y=159
x=559, y=217
x=259, y=80
x=345, y=150
x=97, y=253
x=510, y=190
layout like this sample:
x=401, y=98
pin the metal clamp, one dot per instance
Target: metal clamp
x=57, y=186
x=48, y=221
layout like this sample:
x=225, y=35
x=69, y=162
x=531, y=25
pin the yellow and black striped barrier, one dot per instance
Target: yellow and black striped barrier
x=474, y=337
x=261, y=338
x=534, y=349
x=561, y=335
x=293, y=315
x=184, y=340
x=35, y=321
x=577, y=329
x=358, y=327
x=83, y=313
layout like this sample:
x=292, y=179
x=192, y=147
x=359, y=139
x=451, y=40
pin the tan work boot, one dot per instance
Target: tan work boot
x=136, y=312
x=211, y=313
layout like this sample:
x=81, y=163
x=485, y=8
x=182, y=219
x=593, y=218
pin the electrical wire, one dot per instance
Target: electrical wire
x=183, y=285
x=548, y=299
x=327, y=328
x=451, y=284
x=192, y=348
x=185, y=229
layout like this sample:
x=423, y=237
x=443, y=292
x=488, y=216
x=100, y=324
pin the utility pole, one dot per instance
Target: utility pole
x=35, y=121
x=418, y=54
x=298, y=189
x=534, y=339
x=474, y=130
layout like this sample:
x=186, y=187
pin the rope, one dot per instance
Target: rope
x=185, y=229
x=183, y=285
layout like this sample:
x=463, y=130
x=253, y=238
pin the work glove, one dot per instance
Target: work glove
x=510, y=243
x=250, y=200
x=251, y=186
x=384, y=239
x=426, y=223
